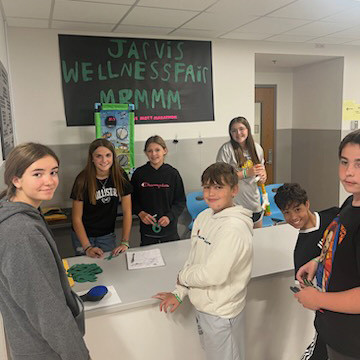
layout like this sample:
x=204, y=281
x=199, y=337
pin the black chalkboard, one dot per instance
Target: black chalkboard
x=166, y=80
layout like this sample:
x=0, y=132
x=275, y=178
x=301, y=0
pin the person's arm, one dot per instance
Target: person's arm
x=135, y=196
x=173, y=300
x=77, y=212
x=260, y=171
x=235, y=246
x=126, y=222
x=179, y=201
x=224, y=155
x=347, y=302
x=34, y=283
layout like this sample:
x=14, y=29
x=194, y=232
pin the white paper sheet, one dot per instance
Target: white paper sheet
x=144, y=259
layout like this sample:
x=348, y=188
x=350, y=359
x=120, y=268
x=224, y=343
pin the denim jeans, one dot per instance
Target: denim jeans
x=105, y=242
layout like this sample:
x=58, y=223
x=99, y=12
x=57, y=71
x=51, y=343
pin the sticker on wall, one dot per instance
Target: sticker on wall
x=349, y=110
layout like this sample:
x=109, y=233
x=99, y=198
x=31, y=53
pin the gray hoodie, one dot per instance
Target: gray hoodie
x=43, y=318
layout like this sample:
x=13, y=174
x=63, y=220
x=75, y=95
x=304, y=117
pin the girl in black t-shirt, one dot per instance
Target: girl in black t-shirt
x=96, y=193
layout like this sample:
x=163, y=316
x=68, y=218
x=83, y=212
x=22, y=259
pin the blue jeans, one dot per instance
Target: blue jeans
x=105, y=242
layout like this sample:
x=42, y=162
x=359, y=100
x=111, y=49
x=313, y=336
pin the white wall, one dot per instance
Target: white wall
x=34, y=57
x=36, y=82
x=317, y=106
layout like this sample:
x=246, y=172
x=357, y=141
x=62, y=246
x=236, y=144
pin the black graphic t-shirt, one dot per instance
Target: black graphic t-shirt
x=100, y=219
x=308, y=245
x=339, y=270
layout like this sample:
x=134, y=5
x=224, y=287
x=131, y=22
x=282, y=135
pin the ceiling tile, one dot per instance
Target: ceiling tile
x=197, y=5
x=290, y=38
x=352, y=32
x=330, y=40
x=128, y=29
x=271, y=25
x=248, y=7
x=318, y=28
x=311, y=9
x=355, y=42
x=29, y=23
x=245, y=36
x=349, y=17
x=211, y=21
x=144, y=16
x=30, y=8
x=85, y=26
x=88, y=12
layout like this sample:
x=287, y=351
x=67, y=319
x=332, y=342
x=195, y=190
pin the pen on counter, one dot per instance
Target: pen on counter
x=133, y=258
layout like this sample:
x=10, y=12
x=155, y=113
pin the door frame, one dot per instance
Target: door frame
x=274, y=163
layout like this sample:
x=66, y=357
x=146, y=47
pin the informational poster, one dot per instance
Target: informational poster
x=115, y=122
x=166, y=80
x=6, y=126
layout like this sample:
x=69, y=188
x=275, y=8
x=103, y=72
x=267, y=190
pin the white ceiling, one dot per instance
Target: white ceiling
x=304, y=21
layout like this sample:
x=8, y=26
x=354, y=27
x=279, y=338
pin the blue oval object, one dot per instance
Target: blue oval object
x=95, y=294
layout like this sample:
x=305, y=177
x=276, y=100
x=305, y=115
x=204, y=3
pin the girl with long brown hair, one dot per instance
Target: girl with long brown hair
x=43, y=318
x=96, y=194
x=247, y=157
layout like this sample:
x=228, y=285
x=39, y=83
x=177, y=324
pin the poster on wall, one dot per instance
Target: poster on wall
x=167, y=80
x=6, y=126
x=115, y=122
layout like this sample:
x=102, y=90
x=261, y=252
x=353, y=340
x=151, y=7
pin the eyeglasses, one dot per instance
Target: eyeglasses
x=236, y=131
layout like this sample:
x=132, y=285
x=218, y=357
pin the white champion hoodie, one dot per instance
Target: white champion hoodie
x=218, y=268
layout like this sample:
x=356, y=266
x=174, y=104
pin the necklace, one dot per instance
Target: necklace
x=103, y=184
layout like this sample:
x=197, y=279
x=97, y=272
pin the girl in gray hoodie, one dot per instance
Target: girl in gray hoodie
x=43, y=318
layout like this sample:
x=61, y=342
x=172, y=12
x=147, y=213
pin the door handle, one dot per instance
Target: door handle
x=270, y=157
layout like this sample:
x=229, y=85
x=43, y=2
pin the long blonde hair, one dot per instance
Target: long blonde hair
x=249, y=143
x=87, y=178
x=19, y=159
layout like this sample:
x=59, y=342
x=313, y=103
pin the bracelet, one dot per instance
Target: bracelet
x=87, y=248
x=244, y=173
x=126, y=243
x=178, y=299
x=316, y=260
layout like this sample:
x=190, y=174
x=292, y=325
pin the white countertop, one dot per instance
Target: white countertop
x=273, y=253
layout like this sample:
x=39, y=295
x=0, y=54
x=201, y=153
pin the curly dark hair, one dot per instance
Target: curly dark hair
x=290, y=194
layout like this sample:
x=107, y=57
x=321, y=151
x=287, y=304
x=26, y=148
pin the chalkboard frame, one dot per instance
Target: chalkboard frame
x=168, y=81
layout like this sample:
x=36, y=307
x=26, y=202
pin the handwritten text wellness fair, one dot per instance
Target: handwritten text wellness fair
x=138, y=68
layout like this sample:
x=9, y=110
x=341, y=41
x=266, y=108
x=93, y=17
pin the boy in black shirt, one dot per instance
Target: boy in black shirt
x=293, y=202
x=337, y=268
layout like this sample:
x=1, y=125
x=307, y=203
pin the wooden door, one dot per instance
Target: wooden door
x=266, y=96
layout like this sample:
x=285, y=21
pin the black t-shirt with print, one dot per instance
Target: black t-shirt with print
x=100, y=219
x=340, y=271
x=308, y=245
